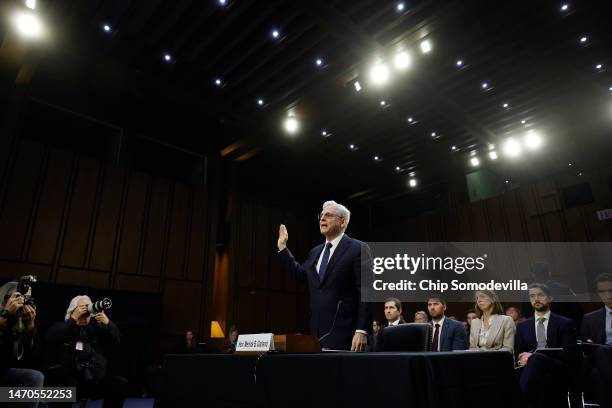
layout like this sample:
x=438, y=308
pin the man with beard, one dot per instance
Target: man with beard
x=448, y=334
x=545, y=377
x=333, y=272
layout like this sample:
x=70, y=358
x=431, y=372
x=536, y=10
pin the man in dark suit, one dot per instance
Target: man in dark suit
x=333, y=272
x=447, y=335
x=545, y=378
x=597, y=328
x=393, y=312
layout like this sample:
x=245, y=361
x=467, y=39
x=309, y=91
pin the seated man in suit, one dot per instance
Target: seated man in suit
x=393, y=312
x=597, y=328
x=545, y=379
x=448, y=335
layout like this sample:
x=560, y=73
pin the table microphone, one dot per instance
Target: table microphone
x=326, y=335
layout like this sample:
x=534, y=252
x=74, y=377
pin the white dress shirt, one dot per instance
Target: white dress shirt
x=608, y=326
x=334, y=243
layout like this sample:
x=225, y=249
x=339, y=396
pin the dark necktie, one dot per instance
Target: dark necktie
x=324, y=261
x=436, y=336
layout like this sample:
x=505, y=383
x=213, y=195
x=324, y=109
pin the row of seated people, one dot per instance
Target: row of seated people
x=73, y=353
x=545, y=375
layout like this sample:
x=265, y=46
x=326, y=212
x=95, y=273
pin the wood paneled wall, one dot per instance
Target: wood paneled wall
x=73, y=220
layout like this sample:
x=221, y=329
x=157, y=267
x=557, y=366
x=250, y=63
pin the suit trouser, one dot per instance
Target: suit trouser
x=545, y=381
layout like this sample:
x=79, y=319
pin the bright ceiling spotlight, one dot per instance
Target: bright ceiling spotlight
x=512, y=148
x=533, y=140
x=260, y=102
x=357, y=86
x=599, y=67
x=324, y=133
x=398, y=168
x=412, y=182
x=376, y=158
x=318, y=62
x=410, y=120
x=218, y=82
x=382, y=103
x=291, y=125
x=402, y=60
x=352, y=147
x=493, y=155
x=426, y=46
x=484, y=85
x=400, y=7
x=223, y=2
x=523, y=121
x=31, y=4
x=28, y=24
x=379, y=74
x=433, y=134
x=475, y=162
x=453, y=147
x=564, y=7
x=167, y=57
x=584, y=39
x=275, y=34
x=505, y=105
x=459, y=63
x=106, y=28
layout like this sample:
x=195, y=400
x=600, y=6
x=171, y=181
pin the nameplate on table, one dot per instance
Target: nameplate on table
x=255, y=343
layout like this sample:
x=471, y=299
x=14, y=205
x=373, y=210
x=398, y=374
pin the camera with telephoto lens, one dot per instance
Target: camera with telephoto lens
x=99, y=306
x=23, y=285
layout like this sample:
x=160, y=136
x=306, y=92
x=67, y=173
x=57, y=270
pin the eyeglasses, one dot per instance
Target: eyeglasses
x=327, y=215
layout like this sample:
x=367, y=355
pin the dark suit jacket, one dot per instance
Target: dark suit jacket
x=561, y=333
x=453, y=336
x=339, y=291
x=593, y=326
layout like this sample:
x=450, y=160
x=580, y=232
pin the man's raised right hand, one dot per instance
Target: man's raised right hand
x=283, y=237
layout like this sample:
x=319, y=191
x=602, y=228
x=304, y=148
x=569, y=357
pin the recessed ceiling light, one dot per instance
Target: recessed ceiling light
x=275, y=34
x=223, y=2
x=533, y=140
x=584, y=39
x=398, y=168
x=167, y=57
x=493, y=155
x=260, y=102
x=610, y=89
x=106, y=28
x=28, y=24
x=459, y=63
x=507, y=181
x=484, y=85
x=580, y=174
x=218, y=82
x=474, y=161
x=376, y=158
x=523, y=121
x=453, y=147
x=512, y=148
x=352, y=147
x=505, y=105
x=426, y=46
x=402, y=60
x=382, y=103
x=569, y=164
x=31, y=4
x=357, y=86
x=291, y=125
x=564, y=7
x=400, y=7
x=410, y=120
x=324, y=132
x=599, y=66
x=319, y=62
x=412, y=182
x=433, y=134
x=379, y=74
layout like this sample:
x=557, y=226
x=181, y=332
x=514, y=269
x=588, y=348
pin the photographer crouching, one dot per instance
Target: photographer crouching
x=19, y=341
x=76, y=352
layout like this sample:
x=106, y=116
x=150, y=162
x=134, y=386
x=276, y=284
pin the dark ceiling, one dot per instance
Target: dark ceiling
x=528, y=52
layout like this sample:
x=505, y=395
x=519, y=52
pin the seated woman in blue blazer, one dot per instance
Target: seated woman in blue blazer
x=492, y=329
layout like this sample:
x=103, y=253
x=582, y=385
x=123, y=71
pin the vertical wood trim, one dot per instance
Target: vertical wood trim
x=127, y=178
x=93, y=220
x=27, y=242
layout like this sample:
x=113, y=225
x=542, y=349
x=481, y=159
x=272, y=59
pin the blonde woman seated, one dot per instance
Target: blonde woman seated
x=491, y=329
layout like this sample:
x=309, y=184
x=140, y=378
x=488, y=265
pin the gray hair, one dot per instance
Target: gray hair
x=422, y=313
x=73, y=304
x=343, y=212
x=7, y=289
